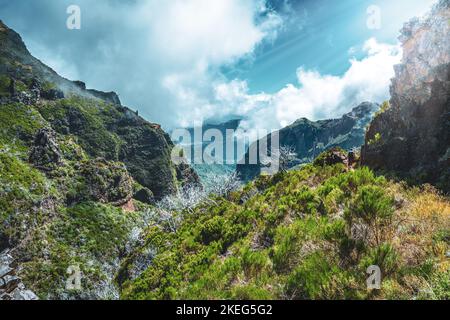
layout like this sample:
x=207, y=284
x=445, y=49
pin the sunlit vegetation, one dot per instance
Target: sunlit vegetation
x=304, y=234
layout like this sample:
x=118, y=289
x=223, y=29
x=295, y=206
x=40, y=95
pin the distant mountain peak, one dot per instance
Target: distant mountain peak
x=310, y=138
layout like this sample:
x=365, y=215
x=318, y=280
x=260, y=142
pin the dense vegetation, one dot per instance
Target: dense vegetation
x=71, y=161
x=65, y=215
x=71, y=165
x=305, y=234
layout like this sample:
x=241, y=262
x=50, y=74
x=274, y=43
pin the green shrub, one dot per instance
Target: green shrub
x=371, y=204
x=317, y=278
x=376, y=139
x=22, y=190
x=89, y=235
x=384, y=107
x=251, y=292
x=383, y=256
x=276, y=245
x=4, y=86
x=18, y=125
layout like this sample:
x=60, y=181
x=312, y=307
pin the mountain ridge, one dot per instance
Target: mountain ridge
x=78, y=171
x=310, y=138
x=32, y=81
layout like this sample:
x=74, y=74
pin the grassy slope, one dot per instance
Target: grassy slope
x=49, y=218
x=299, y=235
x=51, y=235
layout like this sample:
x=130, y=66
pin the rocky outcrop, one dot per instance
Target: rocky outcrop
x=110, y=97
x=11, y=286
x=144, y=195
x=103, y=181
x=45, y=153
x=146, y=151
x=100, y=124
x=308, y=139
x=332, y=157
x=412, y=137
x=187, y=176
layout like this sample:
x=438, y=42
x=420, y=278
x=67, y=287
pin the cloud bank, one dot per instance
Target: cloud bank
x=314, y=96
x=145, y=50
x=164, y=58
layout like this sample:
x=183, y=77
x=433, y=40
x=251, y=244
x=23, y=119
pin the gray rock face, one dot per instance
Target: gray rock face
x=45, y=153
x=11, y=286
x=412, y=137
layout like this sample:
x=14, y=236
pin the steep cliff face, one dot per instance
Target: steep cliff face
x=412, y=137
x=104, y=128
x=310, y=138
x=77, y=173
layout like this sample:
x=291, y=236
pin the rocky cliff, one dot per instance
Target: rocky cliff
x=78, y=170
x=309, y=138
x=412, y=136
x=104, y=128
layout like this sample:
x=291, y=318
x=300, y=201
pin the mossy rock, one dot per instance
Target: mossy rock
x=102, y=181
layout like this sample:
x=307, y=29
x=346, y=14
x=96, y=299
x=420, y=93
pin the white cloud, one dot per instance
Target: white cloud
x=187, y=47
x=182, y=31
x=160, y=56
x=315, y=96
x=192, y=46
x=164, y=58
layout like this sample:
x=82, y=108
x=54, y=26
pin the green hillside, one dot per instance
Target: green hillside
x=305, y=234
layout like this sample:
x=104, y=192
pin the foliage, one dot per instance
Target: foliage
x=88, y=235
x=304, y=234
x=4, y=86
x=384, y=107
x=376, y=139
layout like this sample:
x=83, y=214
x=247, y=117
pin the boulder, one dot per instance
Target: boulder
x=5, y=270
x=10, y=282
x=332, y=157
x=144, y=195
x=11, y=286
x=19, y=294
x=103, y=181
x=45, y=153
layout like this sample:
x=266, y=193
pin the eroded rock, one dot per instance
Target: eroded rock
x=45, y=153
x=11, y=286
x=103, y=181
x=332, y=157
x=412, y=137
